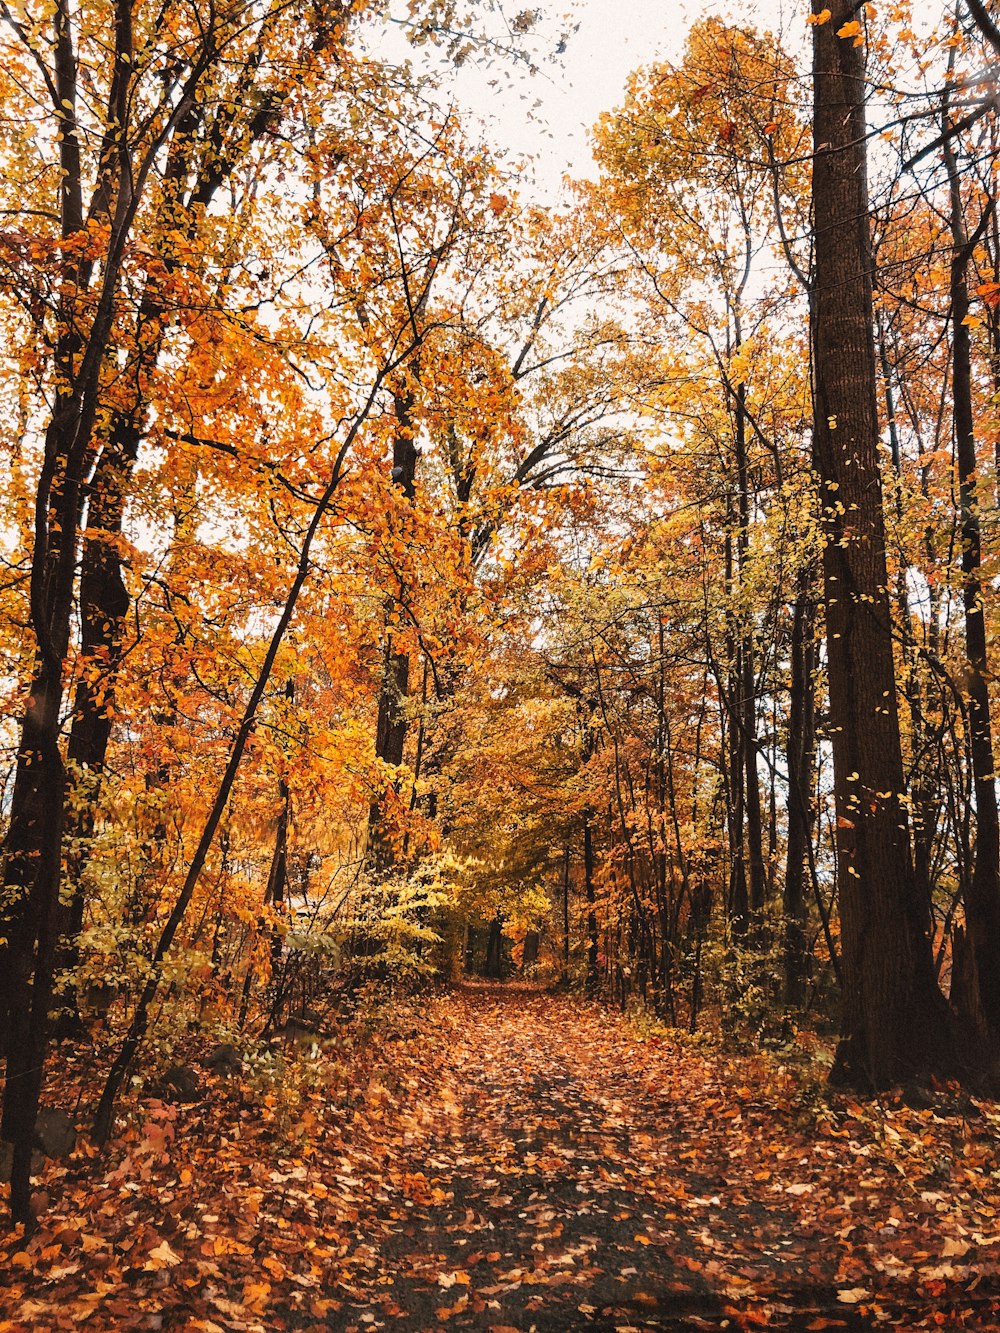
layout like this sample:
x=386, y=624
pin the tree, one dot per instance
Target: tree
x=702, y=175
x=138, y=113
x=894, y=1020
x=130, y=271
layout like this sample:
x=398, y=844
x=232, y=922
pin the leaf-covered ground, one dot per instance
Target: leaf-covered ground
x=505, y=1159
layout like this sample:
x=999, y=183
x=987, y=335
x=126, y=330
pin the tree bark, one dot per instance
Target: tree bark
x=593, y=976
x=745, y=713
x=894, y=1017
x=494, y=949
x=800, y=756
x=565, y=914
x=739, y=900
x=30, y=912
x=392, y=722
x=982, y=904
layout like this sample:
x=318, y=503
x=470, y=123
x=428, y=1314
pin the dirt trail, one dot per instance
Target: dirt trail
x=504, y=1159
x=571, y=1175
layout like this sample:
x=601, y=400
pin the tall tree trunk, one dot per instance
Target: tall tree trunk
x=565, y=914
x=31, y=919
x=923, y=790
x=739, y=899
x=394, y=688
x=894, y=1017
x=276, y=889
x=800, y=756
x=104, y=604
x=745, y=715
x=982, y=905
x=593, y=977
x=30, y=914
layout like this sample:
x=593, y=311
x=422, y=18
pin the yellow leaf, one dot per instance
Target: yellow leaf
x=853, y=1295
x=955, y=1249
x=255, y=1294
x=162, y=1257
x=823, y=16
x=851, y=29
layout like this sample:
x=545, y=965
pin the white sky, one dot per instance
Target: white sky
x=614, y=38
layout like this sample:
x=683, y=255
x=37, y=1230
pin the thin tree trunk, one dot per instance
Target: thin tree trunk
x=593, y=977
x=739, y=899
x=139, y=1025
x=745, y=719
x=800, y=756
x=393, y=723
x=565, y=914
x=982, y=906
x=276, y=889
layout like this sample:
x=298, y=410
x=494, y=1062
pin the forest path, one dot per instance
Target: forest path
x=558, y=1185
x=558, y=1172
x=507, y=1160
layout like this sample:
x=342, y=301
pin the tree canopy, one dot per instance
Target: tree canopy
x=407, y=579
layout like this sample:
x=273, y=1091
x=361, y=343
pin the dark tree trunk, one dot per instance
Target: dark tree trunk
x=390, y=742
x=104, y=604
x=982, y=904
x=924, y=794
x=739, y=898
x=593, y=977
x=276, y=889
x=745, y=713
x=565, y=914
x=494, y=949
x=392, y=723
x=894, y=1017
x=31, y=921
x=31, y=918
x=800, y=756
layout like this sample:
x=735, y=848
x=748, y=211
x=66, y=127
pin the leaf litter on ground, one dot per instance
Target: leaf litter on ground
x=504, y=1159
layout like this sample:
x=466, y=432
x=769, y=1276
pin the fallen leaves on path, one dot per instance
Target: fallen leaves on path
x=509, y=1160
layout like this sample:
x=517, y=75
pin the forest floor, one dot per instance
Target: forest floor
x=508, y=1159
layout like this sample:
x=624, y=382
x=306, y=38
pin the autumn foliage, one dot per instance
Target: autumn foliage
x=406, y=581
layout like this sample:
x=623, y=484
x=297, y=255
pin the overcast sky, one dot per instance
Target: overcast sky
x=614, y=37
